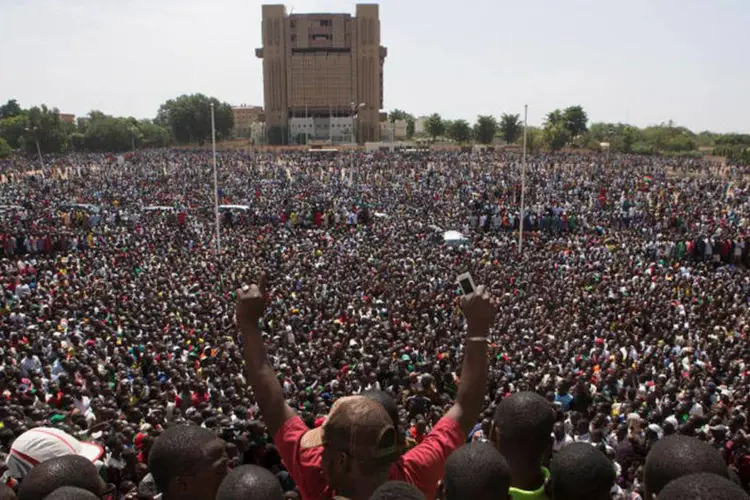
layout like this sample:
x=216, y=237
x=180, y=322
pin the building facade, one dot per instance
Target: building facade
x=317, y=66
x=393, y=131
x=244, y=117
x=67, y=117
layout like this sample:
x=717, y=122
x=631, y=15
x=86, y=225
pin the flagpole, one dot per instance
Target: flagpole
x=216, y=182
x=523, y=178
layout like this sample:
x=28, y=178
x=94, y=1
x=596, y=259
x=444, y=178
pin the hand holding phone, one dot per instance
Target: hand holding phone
x=466, y=283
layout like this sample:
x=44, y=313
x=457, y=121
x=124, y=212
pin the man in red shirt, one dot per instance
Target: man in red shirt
x=421, y=466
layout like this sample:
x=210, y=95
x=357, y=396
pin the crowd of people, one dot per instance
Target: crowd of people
x=322, y=348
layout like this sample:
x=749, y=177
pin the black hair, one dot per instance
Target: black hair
x=250, y=481
x=474, y=471
x=675, y=456
x=581, y=471
x=524, y=422
x=68, y=470
x=397, y=490
x=178, y=451
x=702, y=486
x=71, y=493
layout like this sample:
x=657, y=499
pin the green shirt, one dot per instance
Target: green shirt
x=538, y=494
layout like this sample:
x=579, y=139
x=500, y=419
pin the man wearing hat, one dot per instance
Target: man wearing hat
x=356, y=446
x=43, y=443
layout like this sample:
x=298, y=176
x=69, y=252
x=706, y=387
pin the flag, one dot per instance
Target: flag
x=647, y=179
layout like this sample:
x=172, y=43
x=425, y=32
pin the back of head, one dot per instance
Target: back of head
x=676, y=456
x=250, y=481
x=581, y=472
x=397, y=490
x=71, y=493
x=476, y=471
x=523, y=426
x=178, y=451
x=703, y=486
x=70, y=470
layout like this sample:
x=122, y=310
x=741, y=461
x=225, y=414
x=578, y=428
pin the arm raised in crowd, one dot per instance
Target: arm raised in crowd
x=251, y=304
x=480, y=314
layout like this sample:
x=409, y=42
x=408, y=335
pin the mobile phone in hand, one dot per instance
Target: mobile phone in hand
x=466, y=283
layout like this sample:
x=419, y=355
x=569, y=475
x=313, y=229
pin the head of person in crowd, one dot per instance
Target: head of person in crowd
x=71, y=493
x=188, y=462
x=250, y=481
x=676, y=456
x=476, y=471
x=359, y=445
x=522, y=432
x=581, y=472
x=703, y=486
x=68, y=470
x=40, y=444
x=397, y=490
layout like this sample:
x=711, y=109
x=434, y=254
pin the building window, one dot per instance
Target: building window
x=294, y=38
x=321, y=37
x=292, y=24
x=325, y=22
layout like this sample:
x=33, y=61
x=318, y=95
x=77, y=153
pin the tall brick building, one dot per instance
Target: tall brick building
x=315, y=66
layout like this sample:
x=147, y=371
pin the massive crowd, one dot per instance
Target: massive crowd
x=620, y=321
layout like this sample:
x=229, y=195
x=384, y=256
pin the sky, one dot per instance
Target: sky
x=642, y=61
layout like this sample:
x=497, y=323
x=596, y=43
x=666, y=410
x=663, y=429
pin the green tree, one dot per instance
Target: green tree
x=555, y=117
x=189, y=118
x=399, y=114
x=459, y=131
x=410, y=128
x=153, y=135
x=77, y=141
x=556, y=136
x=13, y=129
x=4, y=148
x=434, y=126
x=485, y=128
x=10, y=109
x=621, y=137
x=706, y=138
x=733, y=140
x=575, y=120
x=110, y=134
x=534, y=139
x=510, y=127
x=44, y=125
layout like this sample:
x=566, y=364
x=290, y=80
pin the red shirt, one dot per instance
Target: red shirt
x=197, y=399
x=423, y=466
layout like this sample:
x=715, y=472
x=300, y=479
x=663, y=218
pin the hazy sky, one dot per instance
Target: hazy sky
x=642, y=61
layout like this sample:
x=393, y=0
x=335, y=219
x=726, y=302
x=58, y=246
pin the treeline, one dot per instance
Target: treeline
x=185, y=119
x=569, y=128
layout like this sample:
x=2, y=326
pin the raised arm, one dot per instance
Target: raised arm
x=251, y=304
x=480, y=314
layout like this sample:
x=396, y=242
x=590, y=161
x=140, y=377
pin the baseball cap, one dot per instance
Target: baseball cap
x=43, y=443
x=358, y=426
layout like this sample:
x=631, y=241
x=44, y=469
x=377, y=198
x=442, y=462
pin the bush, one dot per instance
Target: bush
x=4, y=148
